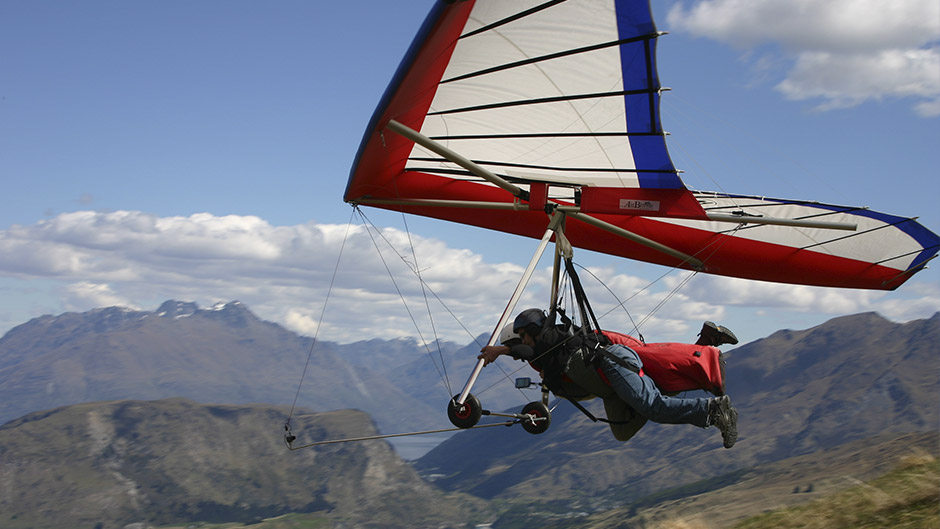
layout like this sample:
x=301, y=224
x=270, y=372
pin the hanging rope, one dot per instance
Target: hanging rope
x=427, y=304
x=620, y=303
x=710, y=248
x=427, y=288
x=401, y=296
x=316, y=333
x=290, y=439
x=713, y=247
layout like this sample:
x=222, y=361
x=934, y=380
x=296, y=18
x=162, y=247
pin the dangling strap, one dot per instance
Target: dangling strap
x=596, y=419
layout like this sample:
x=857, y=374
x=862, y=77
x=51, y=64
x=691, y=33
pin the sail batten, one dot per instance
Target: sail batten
x=543, y=135
x=541, y=101
x=512, y=18
x=553, y=56
x=551, y=168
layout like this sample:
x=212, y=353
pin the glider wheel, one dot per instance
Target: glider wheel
x=540, y=411
x=464, y=415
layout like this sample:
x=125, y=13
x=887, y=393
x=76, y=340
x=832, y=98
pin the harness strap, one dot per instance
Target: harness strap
x=596, y=419
x=600, y=349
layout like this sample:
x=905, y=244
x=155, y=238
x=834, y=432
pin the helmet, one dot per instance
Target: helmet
x=529, y=317
x=508, y=334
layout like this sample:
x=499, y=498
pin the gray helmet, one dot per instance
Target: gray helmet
x=529, y=317
x=508, y=335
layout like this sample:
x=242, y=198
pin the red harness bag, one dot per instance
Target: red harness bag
x=676, y=367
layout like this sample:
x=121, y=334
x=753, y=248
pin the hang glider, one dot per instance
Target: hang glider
x=503, y=111
x=541, y=118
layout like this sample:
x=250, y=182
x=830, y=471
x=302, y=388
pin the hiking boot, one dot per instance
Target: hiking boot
x=722, y=415
x=715, y=335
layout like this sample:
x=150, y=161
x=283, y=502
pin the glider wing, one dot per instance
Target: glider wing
x=561, y=100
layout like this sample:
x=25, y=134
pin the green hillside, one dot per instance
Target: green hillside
x=906, y=498
x=721, y=501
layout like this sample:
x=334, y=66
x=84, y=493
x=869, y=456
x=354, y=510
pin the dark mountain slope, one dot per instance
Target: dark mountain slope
x=173, y=461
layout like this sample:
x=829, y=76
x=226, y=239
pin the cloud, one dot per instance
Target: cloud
x=844, y=81
x=844, y=52
x=915, y=300
x=285, y=273
x=78, y=296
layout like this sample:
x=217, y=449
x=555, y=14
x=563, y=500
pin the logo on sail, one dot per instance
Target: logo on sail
x=642, y=205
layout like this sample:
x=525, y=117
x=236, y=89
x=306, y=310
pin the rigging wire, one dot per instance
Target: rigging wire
x=564, y=294
x=372, y=226
x=507, y=375
x=620, y=303
x=427, y=304
x=289, y=438
x=401, y=295
x=715, y=246
x=290, y=441
x=319, y=322
x=710, y=248
x=666, y=299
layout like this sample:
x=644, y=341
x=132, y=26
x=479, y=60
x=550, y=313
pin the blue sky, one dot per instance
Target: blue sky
x=199, y=151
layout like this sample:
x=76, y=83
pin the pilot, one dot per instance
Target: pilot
x=574, y=368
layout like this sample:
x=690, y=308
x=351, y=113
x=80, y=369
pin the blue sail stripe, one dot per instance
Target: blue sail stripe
x=638, y=64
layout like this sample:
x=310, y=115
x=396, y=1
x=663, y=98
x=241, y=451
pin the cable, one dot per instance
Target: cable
x=319, y=322
x=427, y=304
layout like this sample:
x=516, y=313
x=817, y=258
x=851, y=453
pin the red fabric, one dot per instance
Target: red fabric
x=675, y=367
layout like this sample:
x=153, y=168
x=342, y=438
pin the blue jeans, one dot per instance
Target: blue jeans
x=641, y=393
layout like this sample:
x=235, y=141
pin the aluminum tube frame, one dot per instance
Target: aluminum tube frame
x=430, y=202
x=714, y=217
x=639, y=239
x=511, y=306
x=466, y=163
x=796, y=223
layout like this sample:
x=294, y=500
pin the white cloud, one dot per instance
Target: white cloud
x=728, y=291
x=85, y=295
x=916, y=299
x=283, y=274
x=844, y=80
x=925, y=303
x=844, y=52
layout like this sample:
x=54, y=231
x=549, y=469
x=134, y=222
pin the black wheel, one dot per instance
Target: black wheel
x=540, y=411
x=464, y=415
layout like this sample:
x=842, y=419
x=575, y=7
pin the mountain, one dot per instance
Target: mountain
x=223, y=354
x=797, y=392
x=226, y=354
x=108, y=465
